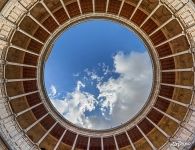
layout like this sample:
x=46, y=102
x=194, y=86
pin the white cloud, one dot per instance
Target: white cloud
x=53, y=91
x=75, y=104
x=119, y=99
x=125, y=96
x=92, y=75
x=76, y=74
x=105, y=68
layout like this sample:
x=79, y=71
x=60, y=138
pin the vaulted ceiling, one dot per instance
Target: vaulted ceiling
x=27, y=30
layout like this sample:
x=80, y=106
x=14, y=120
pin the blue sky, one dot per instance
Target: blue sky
x=91, y=66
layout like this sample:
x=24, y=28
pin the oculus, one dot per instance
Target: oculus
x=99, y=74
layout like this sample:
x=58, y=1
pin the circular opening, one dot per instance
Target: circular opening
x=98, y=74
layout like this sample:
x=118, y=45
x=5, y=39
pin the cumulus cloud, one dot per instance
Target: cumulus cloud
x=75, y=104
x=124, y=96
x=53, y=91
x=119, y=98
